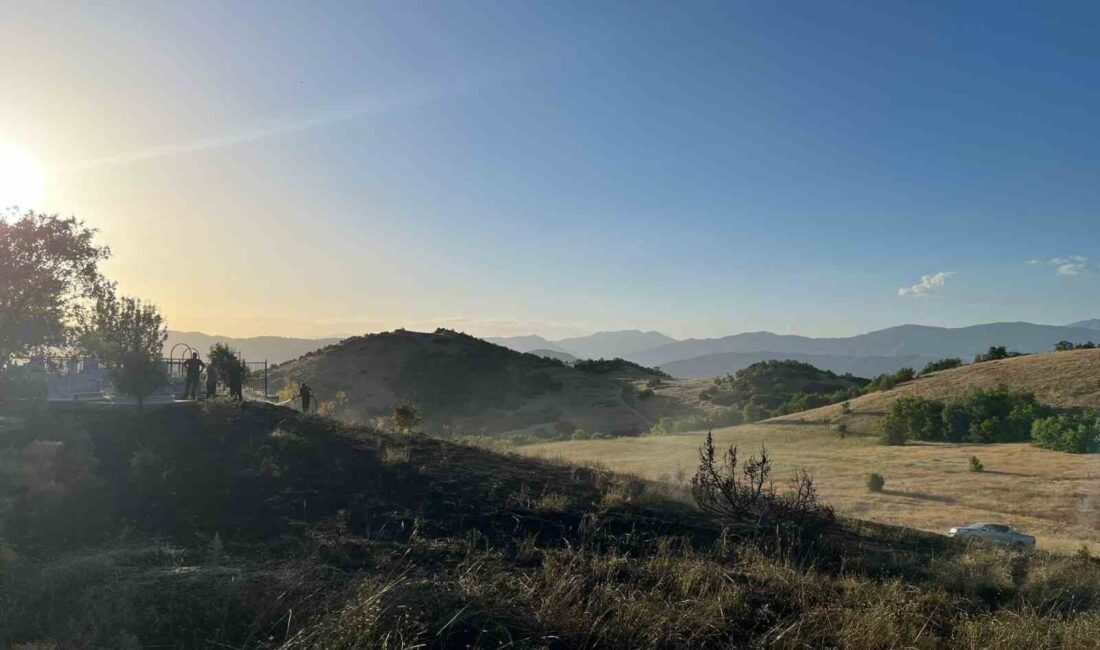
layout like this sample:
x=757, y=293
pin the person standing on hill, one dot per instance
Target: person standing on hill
x=306, y=393
x=211, y=380
x=236, y=377
x=194, y=367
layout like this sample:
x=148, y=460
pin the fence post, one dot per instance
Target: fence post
x=265, y=380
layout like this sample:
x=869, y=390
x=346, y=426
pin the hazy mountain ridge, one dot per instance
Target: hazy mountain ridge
x=903, y=340
x=275, y=349
x=600, y=345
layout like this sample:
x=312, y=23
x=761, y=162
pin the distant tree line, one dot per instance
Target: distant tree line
x=942, y=364
x=1063, y=346
x=996, y=352
x=994, y=415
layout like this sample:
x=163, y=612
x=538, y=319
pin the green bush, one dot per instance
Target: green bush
x=976, y=464
x=983, y=416
x=888, y=381
x=996, y=352
x=942, y=364
x=894, y=430
x=876, y=482
x=1077, y=434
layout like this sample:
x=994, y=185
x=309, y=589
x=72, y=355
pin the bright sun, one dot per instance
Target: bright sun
x=22, y=182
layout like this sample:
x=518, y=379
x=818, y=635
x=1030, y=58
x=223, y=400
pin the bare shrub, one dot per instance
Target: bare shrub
x=746, y=493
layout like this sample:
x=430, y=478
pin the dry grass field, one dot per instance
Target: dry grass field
x=1051, y=495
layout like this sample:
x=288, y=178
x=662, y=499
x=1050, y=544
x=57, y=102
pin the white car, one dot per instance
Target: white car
x=995, y=533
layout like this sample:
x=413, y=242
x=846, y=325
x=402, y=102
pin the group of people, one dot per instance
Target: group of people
x=233, y=373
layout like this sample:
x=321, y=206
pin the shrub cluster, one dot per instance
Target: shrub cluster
x=985, y=415
x=1062, y=346
x=723, y=417
x=887, y=381
x=1075, y=433
x=942, y=364
x=996, y=352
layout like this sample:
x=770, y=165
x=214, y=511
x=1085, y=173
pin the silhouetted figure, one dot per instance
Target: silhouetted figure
x=236, y=377
x=306, y=393
x=194, y=367
x=211, y=380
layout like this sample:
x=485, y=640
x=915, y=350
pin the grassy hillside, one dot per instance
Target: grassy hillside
x=929, y=485
x=255, y=527
x=466, y=386
x=1063, y=379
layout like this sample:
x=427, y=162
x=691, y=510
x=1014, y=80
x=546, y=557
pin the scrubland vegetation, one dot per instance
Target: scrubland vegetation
x=251, y=526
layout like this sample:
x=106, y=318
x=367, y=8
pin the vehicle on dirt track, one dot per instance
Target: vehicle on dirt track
x=995, y=533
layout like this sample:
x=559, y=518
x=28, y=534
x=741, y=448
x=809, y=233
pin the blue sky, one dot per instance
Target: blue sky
x=698, y=168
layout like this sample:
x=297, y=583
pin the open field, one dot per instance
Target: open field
x=1051, y=495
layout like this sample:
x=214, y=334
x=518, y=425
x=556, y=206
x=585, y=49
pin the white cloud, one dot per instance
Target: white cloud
x=928, y=285
x=1071, y=269
x=1072, y=265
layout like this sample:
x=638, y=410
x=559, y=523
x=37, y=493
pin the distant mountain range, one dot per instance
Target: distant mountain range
x=275, y=349
x=865, y=354
x=601, y=345
x=862, y=355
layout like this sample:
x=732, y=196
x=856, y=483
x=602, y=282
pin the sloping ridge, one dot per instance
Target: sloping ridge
x=1068, y=379
x=466, y=385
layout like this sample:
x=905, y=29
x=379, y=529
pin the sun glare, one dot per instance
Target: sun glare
x=22, y=181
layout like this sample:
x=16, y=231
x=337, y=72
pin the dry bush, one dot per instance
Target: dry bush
x=393, y=455
x=746, y=493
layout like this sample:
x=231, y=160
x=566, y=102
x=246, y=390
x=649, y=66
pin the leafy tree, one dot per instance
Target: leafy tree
x=1078, y=434
x=888, y=381
x=128, y=335
x=224, y=357
x=942, y=364
x=49, y=272
x=996, y=352
x=895, y=430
